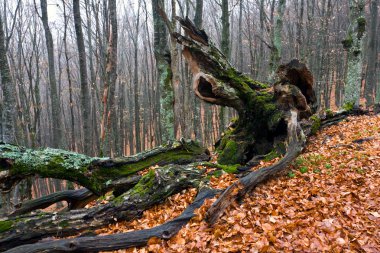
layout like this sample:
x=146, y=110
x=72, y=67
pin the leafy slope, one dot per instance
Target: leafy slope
x=329, y=202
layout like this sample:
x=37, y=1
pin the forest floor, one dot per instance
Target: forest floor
x=328, y=202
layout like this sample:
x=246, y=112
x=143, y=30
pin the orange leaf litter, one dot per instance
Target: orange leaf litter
x=332, y=207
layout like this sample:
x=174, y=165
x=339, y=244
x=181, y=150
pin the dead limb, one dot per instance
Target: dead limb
x=123, y=240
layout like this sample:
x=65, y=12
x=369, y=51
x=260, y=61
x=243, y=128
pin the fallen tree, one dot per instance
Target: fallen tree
x=94, y=173
x=272, y=119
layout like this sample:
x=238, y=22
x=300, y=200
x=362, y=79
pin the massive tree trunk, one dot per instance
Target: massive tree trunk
x=261, y=126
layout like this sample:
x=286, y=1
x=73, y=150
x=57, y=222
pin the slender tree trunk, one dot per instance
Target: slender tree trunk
x=176, y=79
x=370, y=82
x=198, y=21
x=84, y=91
x=354, y=46
x=226, y=50
x=9, y=93
x=240, y=38
x=109, y=113
x=55, y=104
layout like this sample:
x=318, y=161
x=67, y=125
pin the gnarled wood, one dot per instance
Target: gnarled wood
x=261, y=125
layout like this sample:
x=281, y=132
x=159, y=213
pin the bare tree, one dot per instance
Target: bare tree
x=84, y=91
x=54, y=99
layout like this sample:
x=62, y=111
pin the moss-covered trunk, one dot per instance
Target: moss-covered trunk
x=94, y=173
x=260, y=126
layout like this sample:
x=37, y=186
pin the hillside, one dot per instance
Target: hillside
x=329, y=201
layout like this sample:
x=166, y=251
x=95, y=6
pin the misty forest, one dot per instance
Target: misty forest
x=189, y=126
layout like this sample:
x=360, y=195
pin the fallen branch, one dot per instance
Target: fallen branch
x=119, y=241
x=74, y=198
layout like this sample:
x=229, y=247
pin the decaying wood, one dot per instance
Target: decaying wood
x=94, y=173
x=119, y=241
x=151, y=189
x=267, y=116
x=262, y=111
x=70, y=196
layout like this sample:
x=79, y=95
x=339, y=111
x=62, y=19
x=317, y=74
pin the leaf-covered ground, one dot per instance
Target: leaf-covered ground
x=328, y=202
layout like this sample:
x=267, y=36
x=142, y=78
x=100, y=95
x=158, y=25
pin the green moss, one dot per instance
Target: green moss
x=230, y=153
x=145, y=184
x=361, y=26
x=242, y=82
x=316, y=124
x=270, y=156
x=303, y=169
x=5, y=225
x=349, y=106
x=329, y=113
x=61, y=164
x=217, y=173
x=63, y=224
x=226, y=168
x=348, y=42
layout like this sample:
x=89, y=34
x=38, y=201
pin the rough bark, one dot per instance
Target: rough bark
x=152, y=188
x=93, y=173
x=261, y=125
